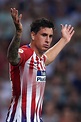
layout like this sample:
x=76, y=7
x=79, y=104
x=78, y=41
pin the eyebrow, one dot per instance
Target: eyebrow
x=47, y=34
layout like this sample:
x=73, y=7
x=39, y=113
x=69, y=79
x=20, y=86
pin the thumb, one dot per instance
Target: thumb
x=20, y=17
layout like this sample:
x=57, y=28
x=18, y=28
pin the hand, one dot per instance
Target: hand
x=67, y=32
x=16, y=19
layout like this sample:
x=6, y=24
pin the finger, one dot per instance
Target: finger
x=62, y=26
x=14, y=11
x=11, y=10
x=66, y=25
x=72, y=33
x=20, y=16
x=14, y=14
x=19, y=19
x=71, y=30
x=69, y=27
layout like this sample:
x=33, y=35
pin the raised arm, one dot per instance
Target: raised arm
x=67, y=33
x=12, y=53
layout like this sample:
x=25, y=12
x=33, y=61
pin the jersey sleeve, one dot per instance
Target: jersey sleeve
x=25, y=53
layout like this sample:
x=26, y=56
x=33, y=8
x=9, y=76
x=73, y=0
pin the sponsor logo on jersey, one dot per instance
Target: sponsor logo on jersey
x=41, y=76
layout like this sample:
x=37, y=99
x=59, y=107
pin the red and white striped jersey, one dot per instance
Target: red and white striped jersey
x=28, y=83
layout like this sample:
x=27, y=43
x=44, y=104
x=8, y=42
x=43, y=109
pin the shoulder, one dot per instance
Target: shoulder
x=26, y=49
x=25, y=53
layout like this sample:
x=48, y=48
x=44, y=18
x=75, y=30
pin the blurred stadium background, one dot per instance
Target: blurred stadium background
x=62, y=100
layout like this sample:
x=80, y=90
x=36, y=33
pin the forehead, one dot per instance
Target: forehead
x=46, y=30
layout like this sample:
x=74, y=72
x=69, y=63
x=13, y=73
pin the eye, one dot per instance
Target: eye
x=44, y=34
x=51, y=36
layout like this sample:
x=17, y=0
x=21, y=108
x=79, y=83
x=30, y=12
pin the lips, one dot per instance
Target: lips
x=46, y=45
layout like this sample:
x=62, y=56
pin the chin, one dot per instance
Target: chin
x=45, y=49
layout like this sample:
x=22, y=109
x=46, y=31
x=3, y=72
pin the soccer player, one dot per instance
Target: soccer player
x=27, y=67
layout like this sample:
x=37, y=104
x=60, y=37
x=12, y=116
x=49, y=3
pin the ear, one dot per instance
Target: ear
x=32, y=35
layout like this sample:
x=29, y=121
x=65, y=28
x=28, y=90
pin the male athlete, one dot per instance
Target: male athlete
x=27, y=67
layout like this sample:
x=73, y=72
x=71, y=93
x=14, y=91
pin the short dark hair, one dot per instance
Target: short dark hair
x=41, y=22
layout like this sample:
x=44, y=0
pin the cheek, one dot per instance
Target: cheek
x=50, y=41
x=39, y=43
x=40, y=40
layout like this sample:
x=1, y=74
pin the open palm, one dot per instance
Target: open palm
x=16, y=19
x=67, y=32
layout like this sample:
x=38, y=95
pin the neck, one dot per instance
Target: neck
x=37, y=51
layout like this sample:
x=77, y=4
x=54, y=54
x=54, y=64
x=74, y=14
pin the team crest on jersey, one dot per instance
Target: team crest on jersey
x=41, y=76
x=20, y=51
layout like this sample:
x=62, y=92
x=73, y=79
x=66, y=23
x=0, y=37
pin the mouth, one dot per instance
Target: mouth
x=46, y=46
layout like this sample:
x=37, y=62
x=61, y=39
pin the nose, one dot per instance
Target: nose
x=47, y=39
